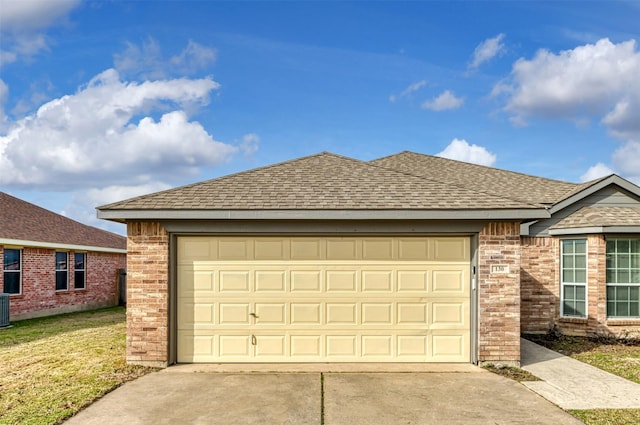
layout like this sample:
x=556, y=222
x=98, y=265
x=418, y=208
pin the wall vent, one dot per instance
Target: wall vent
x=4, y=310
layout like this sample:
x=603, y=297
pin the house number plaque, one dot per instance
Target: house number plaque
x=499, y=269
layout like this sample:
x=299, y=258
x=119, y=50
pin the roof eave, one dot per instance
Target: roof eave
x=594, y=230
x=454, y=214
x=56, y=245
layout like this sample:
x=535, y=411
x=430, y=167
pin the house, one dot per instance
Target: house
x=52, y=264
x=407, y=258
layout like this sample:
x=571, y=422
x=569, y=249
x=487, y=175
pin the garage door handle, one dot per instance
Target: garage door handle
x=254, y=315
x=254, y=340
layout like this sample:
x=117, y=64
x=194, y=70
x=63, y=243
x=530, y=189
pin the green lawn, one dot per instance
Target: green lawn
x=52, y=367
x=622, y=359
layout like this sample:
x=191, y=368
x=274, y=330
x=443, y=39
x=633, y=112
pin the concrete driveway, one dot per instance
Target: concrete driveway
x=469, y=396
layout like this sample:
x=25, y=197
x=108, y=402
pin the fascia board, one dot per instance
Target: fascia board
x=506, y=214
x=594, y=230
x=52, y=245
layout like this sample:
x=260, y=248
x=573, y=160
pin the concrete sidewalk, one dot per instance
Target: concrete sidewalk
x=572, y=384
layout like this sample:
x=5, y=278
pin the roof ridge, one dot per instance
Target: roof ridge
x=479, y=166
x=228, y=176
x=460, y=186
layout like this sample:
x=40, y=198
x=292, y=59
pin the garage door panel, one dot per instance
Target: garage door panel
x=269, y=281
x=234, y=249
x=306, y=313
x=305, y=281
x=451, y=249
x=412, y=313
x=234, y=281
x=234, y=314
x=412, y=346
x=377, y=281
x=449, y=281
x=377, y=314
x=270, y=314
x=449, y=348
x=412, y=281
x=341, y=346
x=322, y=299
x=341, y=313
x=342, y=249
x=377, y=346
x=235, y=346
x=341, y=280
x=448, y=314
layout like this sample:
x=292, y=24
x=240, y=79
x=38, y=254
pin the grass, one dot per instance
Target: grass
x=50, y=368
x=511, y=372
x=619, y=357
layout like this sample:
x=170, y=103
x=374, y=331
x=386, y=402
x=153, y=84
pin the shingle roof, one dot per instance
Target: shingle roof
x=598, y=216
x=509, y=184
x=21, y=220
x=323, y=182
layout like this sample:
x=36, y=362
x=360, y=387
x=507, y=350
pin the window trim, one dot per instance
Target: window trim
x=83, y=270
x=618, y=284
x=66, y=271
x=19, y=271
x=585, y=285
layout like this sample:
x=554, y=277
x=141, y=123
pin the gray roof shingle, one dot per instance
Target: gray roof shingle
x=520, y=187
x=601, y=216
x=24, y=221
x=328, y=182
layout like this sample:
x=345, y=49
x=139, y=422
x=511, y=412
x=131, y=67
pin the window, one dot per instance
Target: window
x=573, y=290
x=623, y=278
x=80, y=270
x=62, y=272
x=12, y=271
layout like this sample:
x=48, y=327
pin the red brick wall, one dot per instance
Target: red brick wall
x=499, y=293
x=540, y=284
x=540, y=277
x=39, y=296
x=147, y=294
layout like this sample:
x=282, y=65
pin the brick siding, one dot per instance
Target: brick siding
x=147, y=294
x=499, y=294
x=39, y=296
x=540, y=277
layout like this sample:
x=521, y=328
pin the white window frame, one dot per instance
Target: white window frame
x=617, y=284
x=563, y=284
x=19, y=271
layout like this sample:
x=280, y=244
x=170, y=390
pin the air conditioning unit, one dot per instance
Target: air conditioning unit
x=4, y=310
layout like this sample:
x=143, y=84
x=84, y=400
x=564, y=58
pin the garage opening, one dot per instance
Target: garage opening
x=323, y=299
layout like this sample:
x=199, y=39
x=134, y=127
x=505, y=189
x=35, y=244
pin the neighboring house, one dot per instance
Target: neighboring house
x=407, y=258
x=52, y=264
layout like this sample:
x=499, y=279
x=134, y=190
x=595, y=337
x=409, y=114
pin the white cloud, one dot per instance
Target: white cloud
x=250, y=143
x=4, y=93
x=627, y=160
x=446, y=100
x=107, y=132
x=594, y=80
x=412, y=88
x=487, y=50
x=460, y=150
x=21, y=24
x=148, y=62
x=595, y=172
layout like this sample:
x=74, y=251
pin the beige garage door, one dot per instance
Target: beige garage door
x=332, y=299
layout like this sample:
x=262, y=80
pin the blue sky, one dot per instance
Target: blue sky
x=104, y=100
